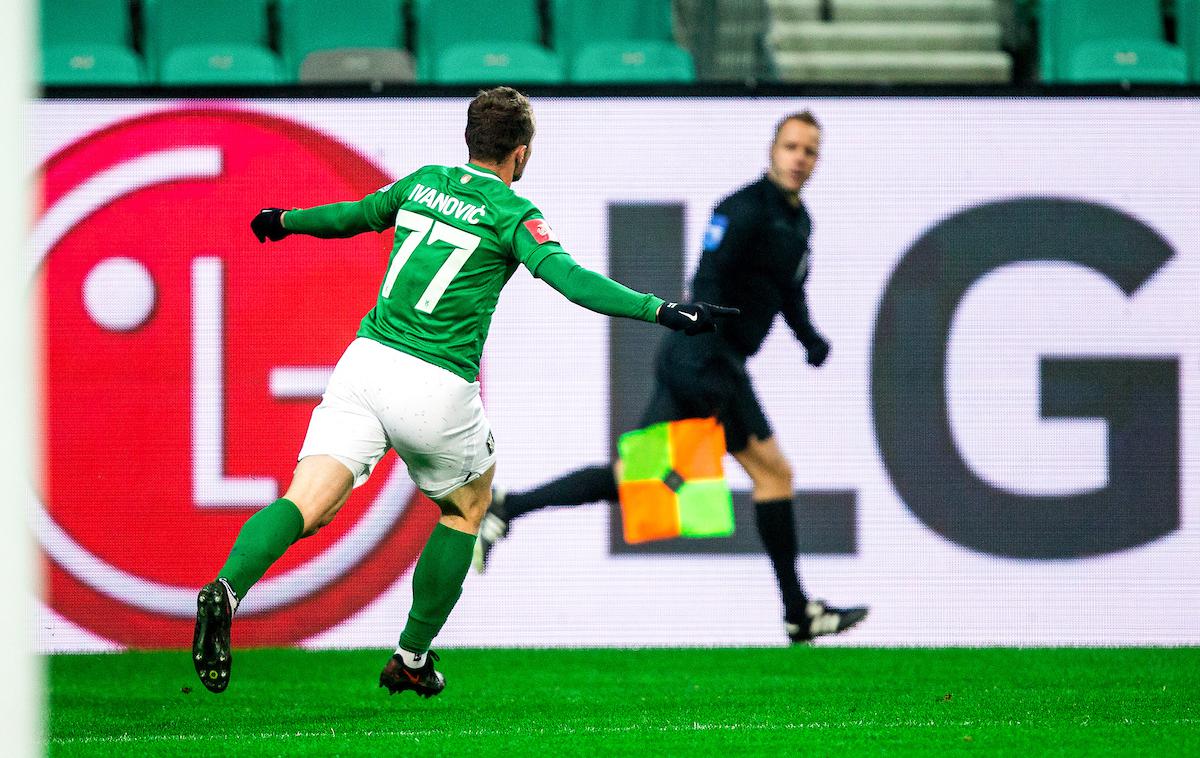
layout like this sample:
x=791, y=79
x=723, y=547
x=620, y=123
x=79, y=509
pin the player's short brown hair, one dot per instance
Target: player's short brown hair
x=499, y=120
x=805, y=117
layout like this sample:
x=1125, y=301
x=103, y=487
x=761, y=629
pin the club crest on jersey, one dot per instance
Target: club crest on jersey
x=715, y=232
x=540, y=230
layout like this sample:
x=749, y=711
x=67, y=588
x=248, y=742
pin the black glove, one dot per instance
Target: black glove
x=817, y=348
x=693, y=318
x=268, y=225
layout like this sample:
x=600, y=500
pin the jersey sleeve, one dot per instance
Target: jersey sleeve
x=533, y=241
x=732, y=228
x=795, y=301
x=375, y=212
x=795, y=308
x=596, y=292
x=379, y=207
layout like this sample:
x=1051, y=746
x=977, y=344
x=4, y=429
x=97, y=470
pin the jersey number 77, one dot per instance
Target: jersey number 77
x=426, y=230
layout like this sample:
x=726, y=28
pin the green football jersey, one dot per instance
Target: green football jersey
x=460, y=234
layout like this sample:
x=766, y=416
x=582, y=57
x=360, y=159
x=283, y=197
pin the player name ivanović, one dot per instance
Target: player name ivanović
x=447, y=205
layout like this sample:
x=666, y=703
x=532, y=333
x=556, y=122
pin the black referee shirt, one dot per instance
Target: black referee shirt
x=756, y=258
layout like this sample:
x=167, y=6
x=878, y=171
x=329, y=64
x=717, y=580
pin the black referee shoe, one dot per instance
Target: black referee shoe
x=210, y=642
x=425, y=681
x=820, y=619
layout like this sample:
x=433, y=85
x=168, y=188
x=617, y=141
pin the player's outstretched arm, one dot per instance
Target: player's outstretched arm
x=593, y=291
x=603, y=295
x=332, y=221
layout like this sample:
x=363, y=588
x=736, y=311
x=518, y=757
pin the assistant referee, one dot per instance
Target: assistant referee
x=756, y=258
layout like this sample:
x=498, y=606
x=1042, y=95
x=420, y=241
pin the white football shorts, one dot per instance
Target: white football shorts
x=379, y=397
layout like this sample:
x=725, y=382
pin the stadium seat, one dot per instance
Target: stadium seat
x=1065, y=24
x=498, y=63
x=575, y=23
x=357, y=64
x=67, y=21
x=440, y=25
x=309, y=25
x=220, y=64
x=91, y=64
x=1187, y=25
x=632, y=62
x=170, y=24
x=1136, y=60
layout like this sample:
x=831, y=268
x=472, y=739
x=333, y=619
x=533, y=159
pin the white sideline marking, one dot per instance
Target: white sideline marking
x=567, y=731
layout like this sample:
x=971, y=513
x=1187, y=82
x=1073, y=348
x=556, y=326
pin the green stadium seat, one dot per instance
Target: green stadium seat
x=170, y=24
x=632, y=62
x=498, y=63
x=440, y=25
x=220, y=64
x=1138, y=61
x=575, y=23
x=306, y=26
x=91, y=64
x=1065, y=24
x=68, y=21
x=1187, y=24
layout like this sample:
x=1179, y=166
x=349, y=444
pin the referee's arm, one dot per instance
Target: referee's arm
x=795, y=311
x=720, y=256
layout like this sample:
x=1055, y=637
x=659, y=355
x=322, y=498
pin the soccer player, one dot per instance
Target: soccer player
x=756, y=258
x=408, y=382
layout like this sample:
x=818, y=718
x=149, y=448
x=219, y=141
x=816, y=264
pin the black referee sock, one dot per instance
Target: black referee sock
x=587, y=485
x=777, y=528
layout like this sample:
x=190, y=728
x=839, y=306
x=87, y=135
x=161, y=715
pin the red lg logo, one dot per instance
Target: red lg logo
x=180, y=363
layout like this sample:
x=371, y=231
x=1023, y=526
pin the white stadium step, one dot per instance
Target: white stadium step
x=885, y=36
x=914, y=10
x=946, y=67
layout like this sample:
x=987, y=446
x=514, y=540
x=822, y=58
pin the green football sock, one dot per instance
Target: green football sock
x=437, y=584
x=264, y=538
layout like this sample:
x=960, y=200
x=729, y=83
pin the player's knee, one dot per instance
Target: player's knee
x=475, y=508
x=470, y=507
x=449, y=508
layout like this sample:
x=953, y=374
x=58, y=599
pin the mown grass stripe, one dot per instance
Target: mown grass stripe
x=636, y=702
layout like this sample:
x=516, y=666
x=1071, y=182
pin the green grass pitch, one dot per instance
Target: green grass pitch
x=669, y=702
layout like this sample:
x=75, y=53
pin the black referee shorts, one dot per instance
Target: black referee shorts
x=694, y=379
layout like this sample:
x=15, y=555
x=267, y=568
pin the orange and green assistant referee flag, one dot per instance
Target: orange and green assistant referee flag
x=672, y=481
